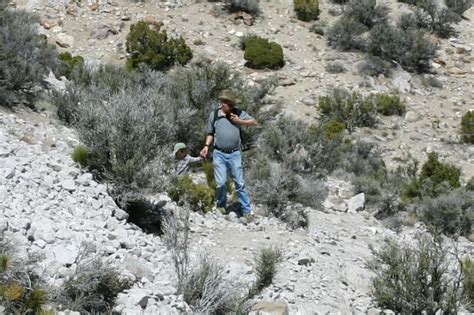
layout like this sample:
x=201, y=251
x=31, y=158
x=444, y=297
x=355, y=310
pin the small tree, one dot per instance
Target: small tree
x=306, y=10
x=149, y=44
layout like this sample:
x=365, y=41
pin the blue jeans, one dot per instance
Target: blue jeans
x=232, y=162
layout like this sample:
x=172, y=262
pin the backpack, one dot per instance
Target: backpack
x=244, y=146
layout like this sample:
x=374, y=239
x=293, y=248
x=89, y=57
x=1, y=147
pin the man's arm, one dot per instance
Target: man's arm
x=244, y=119
x=205, y=150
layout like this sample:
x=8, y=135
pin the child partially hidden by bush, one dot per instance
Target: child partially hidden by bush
x=183, y=159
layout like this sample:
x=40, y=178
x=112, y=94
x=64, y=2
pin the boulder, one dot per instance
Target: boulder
x=64, y=40
x=356, y=203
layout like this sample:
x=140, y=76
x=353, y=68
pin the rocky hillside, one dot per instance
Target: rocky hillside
x=53, y=208
x=97, y=30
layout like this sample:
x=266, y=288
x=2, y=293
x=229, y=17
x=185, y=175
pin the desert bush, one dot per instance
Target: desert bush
x=260, y=53
x=201, y=283
x=408, y=47
x=470, y=184
x=334, y=128
x=176, y=238
x=25, y=56
x=199, y=197
x=438, y=172
x=306, y=10
x=335, y=67
x=451, y=213
x=92, y=288
x=352, y=109
x=436, y=20
x=70, y=63
x=407, y=21
x=346, y=33
x=367, y=12
x=266, y=263
x=279, y=188
x=459, y=6
x=435, y=178
x=318, y=28
x=243, y=40
x=249, y=6
x=467, y=127
x=149, y=44
x=22, y=291
x=130, y=120
x=468, y=282
x=415, y=279
x=431, y=81
x=374, y=66
x=206, y=290
x=80, y=155
x=389, y=105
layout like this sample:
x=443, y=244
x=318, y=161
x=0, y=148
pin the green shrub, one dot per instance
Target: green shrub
x=468, y=282
x=199, y=197
x=389, y=105
x=415, y=279
x=334, y=128
x=438, y=172
x=92, y=288
x=25, y=56
x=467, y=127
x=261, y=53
x=450, y=213
x=306, y=10
x=81, y=155
x=70, y=63
x=434, y=179
x=346, y=33
x=149, y=44
x=353, y=110
x=248, y=6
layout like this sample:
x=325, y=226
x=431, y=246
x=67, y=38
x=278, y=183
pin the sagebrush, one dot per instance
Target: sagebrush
x=414, y=279
x=25, y=56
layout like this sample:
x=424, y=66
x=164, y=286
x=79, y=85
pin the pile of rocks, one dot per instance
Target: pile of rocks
x=52, y=208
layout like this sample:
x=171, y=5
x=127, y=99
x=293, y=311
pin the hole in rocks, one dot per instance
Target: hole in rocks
x=147, y=215
x=31, y=238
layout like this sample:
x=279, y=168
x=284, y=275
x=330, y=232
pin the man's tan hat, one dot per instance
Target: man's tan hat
x=228, y=95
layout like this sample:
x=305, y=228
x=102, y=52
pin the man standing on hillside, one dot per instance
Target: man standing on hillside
x=223, y=131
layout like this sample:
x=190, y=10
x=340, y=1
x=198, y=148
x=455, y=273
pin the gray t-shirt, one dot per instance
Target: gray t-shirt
x=226, y=134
